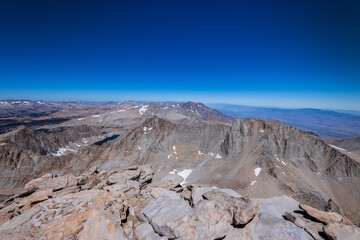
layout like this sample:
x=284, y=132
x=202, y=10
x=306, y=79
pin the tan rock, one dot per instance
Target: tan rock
x=336, y=231
x=170, y=181
x=325, y=217
x=100, y=226
x=158, y=192
x=128, y=227
x=92, y=170
x=65, y=227
x=313, y=228
x=38, y=181
x=36, y=197
x=121, y=177
x=243, y=209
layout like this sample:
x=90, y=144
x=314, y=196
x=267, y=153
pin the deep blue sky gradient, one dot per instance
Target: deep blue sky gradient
x=270, y=53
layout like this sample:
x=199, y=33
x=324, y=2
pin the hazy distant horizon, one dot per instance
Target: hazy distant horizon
x=249, y=99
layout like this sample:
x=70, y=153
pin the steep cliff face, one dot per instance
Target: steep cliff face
x=275, y=140
x=291, y=162
x=166, y=145
x=25, y=153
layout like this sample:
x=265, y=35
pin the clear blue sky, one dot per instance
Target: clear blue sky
x=271, y=53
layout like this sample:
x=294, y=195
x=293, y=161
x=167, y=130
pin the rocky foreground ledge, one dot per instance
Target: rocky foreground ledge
x=127, y=204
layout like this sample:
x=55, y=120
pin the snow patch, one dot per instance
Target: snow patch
x=2, y=144
x=143, y=109
x=138, y=147
x=78, y=145
x=218, y=156
x=85, y=140
x=257, y=171
x=62, y=151
x=95, y=116
x=121, y=110
x=146, y=129
x=262, y=130
x=81, y=119
x=200, y=153
x=252, y=182
x=283, y=162
x=338, y=148
x=184, y=174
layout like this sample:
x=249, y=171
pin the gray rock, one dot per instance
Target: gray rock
x=170, y=181
x=209, y=219
x=242, y=209
x=313, y=228
x=146, y=175
x=269, y=227
x=123, y=176
x=161, y=192
x=165, y=215
x=145, y=232
x=198, y=192
x=277, y=206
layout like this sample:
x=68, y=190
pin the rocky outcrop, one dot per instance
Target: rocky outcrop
x=320, y=224
x=128, y=204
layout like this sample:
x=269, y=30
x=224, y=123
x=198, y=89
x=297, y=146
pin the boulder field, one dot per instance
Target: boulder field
x=128, y=203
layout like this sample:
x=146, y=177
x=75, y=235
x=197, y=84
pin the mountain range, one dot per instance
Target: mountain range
x=325, y=123
x=142, y=150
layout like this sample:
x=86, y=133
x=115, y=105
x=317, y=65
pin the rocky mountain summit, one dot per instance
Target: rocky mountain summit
x=173, y=171
x=129, y=204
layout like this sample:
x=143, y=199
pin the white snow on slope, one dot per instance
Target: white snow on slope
x=218, y=156
x=257, y=171
x=138, y=147
x=143, y=109
x=262, y=130
x=95, y=116
x=146, y=129
x=121, y=110
x=200, y=153
x=2, y=144
x=283, y=162
x=338, y=148
x=184, y=174
x=62, y=151
x=252, y=182
x=80, y=119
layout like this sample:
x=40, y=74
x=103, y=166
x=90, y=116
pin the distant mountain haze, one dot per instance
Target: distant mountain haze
x=325, y=123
